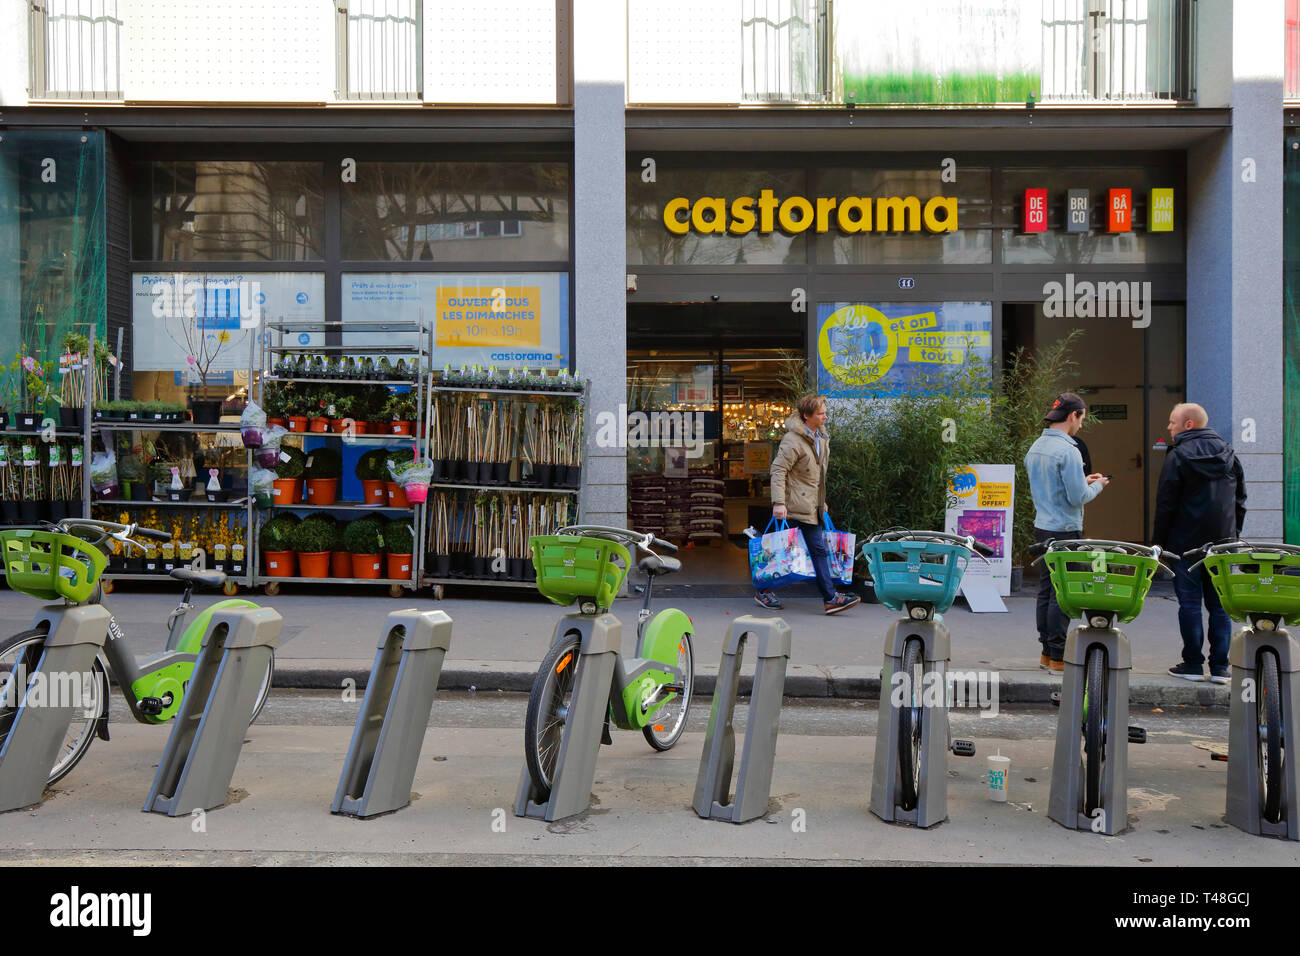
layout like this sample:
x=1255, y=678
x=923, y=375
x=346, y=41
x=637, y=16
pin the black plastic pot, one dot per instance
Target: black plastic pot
x=501, y=472
x=58, y=510
x=516, y=569
x=472, y=472
x=572, y=476
x=26, y=422
x=222, y=495
x=72, y=417
x=478, y=567
x=140, y=490
x=135, y=565
x=205, y=412
x=182, y=494
x=29, y=512
x=441, y=565
x=545, y=475
x=4, y=420
x=9, y=511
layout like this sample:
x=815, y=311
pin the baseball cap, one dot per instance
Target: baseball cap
x=1063, y=406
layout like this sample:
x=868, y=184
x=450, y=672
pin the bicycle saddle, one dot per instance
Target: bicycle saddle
x=654, y=564
x=204, y=579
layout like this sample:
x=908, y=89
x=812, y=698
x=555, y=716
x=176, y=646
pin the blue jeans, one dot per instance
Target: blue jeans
x=812, y=536
x=1192, y=589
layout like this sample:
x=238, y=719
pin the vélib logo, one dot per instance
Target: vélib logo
x=76, y=909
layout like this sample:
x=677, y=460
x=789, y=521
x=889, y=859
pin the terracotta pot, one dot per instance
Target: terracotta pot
x=314, y=564
x=366, y=565
x=322, y=491
x=339, y=425
x=297, y=423
x=279, y=564
x=401, y=428
x=286, y=491
x=396, y=495
x=399, y=566
x=318, y=424
x=374, y=492
x=282, y=422
x=361, y=428
x=340, y=564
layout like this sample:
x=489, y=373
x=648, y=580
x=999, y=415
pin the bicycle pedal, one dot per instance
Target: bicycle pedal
x=963, y=748
x=150, y=706
x=1137, y=735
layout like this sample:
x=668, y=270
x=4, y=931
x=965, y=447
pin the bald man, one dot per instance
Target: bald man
x=1201, y=498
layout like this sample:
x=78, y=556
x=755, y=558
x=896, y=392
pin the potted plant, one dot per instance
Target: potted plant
x=73, y=363
x=399, y=544
x=274, y=541
x=318, y=410
x=297, y=404
x=34, y=389
x=154, y=411
x=340, y=560
x=400, y=410
x=372, y=472
x=312, y=541
x=275, y=402
x=364, y=540
x=342, y=412
x=132, y=476
x=201, y=349
x=322, y=469
x=397, y=461
x=287, y=486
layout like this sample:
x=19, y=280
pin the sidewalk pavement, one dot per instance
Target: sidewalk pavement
x=498, y=641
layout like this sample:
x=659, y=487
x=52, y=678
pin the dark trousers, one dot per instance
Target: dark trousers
x=1052, y=621
x=1194, y=588
x=812, y=536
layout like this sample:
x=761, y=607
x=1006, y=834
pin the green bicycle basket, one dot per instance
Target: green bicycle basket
x=1101, y=581
x=48, y=565
x=1257, y=582
x=570, y=567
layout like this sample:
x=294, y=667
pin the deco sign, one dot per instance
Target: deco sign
x=795, y=214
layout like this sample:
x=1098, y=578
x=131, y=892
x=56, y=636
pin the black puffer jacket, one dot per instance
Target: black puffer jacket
x=1202, y=492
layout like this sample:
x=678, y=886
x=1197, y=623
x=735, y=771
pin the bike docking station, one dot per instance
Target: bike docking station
x=1260, y=584
x=380, y=766
x=918, y=572
x=713, y=798
x=1101, y=582
x=49, y=566
x=198, y=763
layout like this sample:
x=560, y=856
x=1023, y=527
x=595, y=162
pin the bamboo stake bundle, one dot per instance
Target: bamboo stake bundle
x=529, y=447
x=435, y=428
x=490, y=434
x=10, y=480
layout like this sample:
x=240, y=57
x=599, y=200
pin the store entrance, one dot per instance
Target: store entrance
x=708, y=393
x=1131, y=378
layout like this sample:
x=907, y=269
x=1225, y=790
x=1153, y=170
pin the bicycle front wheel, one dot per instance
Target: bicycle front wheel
x=670, y=721
x=1268, y=710
x=264, y=691
x=909, y=727
x=548, y=712
x=1094, y=726
x=19, y=657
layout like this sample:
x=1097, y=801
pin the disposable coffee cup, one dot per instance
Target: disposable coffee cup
x=999, y=775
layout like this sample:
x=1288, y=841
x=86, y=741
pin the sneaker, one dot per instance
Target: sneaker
x=1057, y=667
x=1044, y=662
x=1186, y=671
x=1220, y=674
x=769, y=600
x=841, y=602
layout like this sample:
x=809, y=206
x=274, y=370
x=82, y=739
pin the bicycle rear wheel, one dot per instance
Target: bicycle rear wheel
x=548, y=711
x=20, y=655
x=1094, y=726
x=670, y=721
x=1268, y=713
x=909, y=727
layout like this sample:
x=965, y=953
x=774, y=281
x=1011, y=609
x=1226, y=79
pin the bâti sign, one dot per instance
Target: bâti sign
x=795, y=214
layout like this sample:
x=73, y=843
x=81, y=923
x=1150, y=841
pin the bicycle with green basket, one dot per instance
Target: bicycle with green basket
x=64, y=561
x=1258, y=584
x=650, y=691
x=1099, y=583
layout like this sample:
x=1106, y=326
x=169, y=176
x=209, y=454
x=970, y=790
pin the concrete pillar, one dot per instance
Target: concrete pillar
x=600, y=240
x=1234, y=248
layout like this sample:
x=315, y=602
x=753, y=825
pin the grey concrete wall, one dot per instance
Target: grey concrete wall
x=600, y=240
x=1234, y=250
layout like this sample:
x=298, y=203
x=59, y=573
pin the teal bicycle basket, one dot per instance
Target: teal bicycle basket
x=916, y=571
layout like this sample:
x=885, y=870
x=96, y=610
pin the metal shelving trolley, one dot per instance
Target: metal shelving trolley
x=341, y=371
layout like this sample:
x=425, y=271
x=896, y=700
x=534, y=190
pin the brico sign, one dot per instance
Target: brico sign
x=713, y=215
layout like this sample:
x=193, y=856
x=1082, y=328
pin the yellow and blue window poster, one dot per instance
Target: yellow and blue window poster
x=882, y=350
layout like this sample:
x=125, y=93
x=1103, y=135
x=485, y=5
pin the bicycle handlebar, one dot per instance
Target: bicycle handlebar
x=642, y=541
x=109, y=529
x=1099, y=544
x=966, y=541
x=1236, y=546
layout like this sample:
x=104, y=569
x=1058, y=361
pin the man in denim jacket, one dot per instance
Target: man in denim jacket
x=1060, y=489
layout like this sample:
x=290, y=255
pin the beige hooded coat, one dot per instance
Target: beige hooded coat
x=799, y=474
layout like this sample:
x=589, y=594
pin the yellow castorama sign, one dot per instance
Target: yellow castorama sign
x=795, y=214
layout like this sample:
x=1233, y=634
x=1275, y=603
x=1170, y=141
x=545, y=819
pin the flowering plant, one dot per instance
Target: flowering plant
x=35, y=389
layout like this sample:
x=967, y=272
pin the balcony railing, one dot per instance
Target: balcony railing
x=786, y=52
x=380, y=50
x=75, y=49
x=1119, y=50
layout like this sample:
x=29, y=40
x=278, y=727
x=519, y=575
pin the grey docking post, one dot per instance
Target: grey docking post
x=713, y=799
x=575, y=765
x=381, y=761
x=198, y=763
x=1065, y=802
x=74, y=637
x=886, y=783
x=1245, y=809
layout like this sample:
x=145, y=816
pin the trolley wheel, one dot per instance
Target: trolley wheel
x=395, y=590
x=229, y=588
x=909, y=728
x=271, y=588
x=438, y=592
x=106, y=585
x=1268, y=710
x=1095, y=704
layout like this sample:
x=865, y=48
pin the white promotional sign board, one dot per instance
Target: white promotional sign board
x=980, y=504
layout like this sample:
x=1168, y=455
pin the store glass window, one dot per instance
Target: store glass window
x=970, y=244
x=457, y=212
x=229, y=211
x=1097, y=246
x=728, y=241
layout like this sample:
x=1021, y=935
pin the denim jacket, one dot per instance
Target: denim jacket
x=1057, y=482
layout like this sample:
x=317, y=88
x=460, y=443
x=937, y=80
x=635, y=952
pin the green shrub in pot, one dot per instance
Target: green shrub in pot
x=277, y=533
x=363, y=536
x=323, y=463
x=372, y=466
x=397, y=537
x=312, y=536
x=294, y=466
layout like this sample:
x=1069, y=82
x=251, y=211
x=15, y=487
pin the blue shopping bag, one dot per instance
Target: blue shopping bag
x=839, y=550
x=779, y=557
